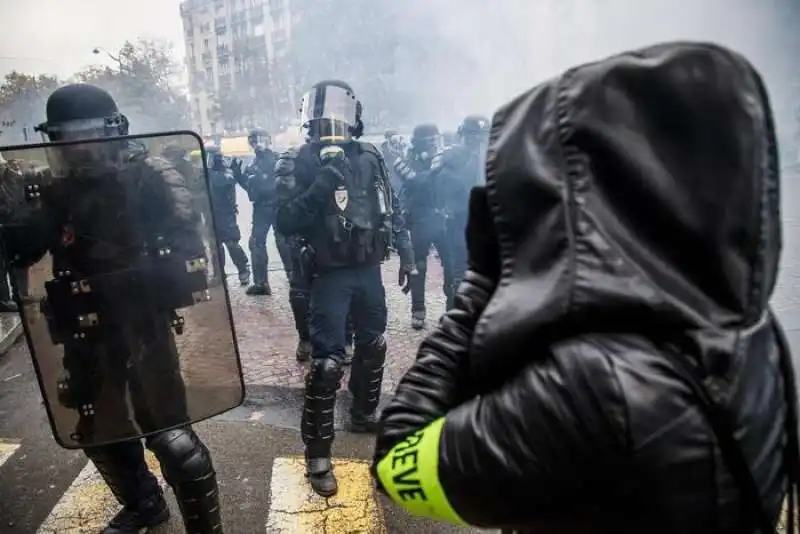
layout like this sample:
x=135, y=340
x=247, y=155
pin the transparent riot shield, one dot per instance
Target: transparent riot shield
x=126, y=316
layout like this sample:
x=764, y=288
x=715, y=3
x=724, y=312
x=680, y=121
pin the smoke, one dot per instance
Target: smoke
x=452, y=58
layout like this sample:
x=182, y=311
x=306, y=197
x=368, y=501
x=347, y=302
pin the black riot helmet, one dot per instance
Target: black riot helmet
x=82, y=112
x=331, y=112
x=426, y=141
x=474, y=129
x=259, y=140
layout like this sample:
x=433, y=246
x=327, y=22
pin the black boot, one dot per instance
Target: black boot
x=148, y=513
x=322, y=382
x=366, y=378
x=259, y=289
x=418, y=319
x=187, y=467
x=123, y=468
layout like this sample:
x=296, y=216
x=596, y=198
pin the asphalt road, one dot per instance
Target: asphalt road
x=47, y=489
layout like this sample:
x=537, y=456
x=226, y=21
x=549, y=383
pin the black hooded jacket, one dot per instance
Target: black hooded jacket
x=636, y=207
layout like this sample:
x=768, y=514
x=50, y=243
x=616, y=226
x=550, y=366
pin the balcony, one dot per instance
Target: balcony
x=207, y=57
x=223, y=52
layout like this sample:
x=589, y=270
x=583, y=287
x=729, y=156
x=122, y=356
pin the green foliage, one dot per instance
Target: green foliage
x=22, y=100
x=144, y=80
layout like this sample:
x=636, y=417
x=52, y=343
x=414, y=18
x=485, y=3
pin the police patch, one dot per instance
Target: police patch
x=341, y=197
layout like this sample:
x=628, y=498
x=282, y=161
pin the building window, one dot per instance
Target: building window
x=224, y=67
x=205, y=45
x=209, y=73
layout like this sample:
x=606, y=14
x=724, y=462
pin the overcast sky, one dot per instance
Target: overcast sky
x=57, y=36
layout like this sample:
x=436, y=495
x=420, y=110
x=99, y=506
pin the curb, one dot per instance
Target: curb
x=11, y=336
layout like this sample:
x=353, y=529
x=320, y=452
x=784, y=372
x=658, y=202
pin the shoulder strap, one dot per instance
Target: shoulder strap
x=723, y=429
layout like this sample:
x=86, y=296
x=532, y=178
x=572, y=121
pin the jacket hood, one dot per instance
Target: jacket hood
x=640, y=191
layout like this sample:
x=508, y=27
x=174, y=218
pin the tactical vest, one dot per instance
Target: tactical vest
x=261, y=179
x=223, y=191
x=358, y=214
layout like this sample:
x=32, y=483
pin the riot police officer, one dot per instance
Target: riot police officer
x=456, y=170
x=425, y=218
x=222, y=183
x=393, y=148
x=335, y=194
x=77, y=112
x=258, y=179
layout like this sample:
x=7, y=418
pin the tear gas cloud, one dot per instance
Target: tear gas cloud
x=456, y=57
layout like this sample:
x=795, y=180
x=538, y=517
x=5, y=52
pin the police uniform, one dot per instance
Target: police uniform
x=336, y=197
x=425, y=216
x=222, y=185
x=455, y=171
x=258, y=179
x=185, y=461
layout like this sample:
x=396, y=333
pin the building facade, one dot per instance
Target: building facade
x=234, y=51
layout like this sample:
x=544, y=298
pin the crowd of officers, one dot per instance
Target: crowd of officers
x=339, y=208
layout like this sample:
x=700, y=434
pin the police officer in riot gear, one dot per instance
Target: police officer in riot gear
x=77, y=112
x=456, y=170
x=291, y=249
x=258, y=179
x=393, y=148
x=335, y=194
x=425, y=218
x=222, y=184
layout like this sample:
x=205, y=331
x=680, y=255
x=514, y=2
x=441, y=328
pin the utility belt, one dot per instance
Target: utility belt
x=80, y=308
x=358, y=245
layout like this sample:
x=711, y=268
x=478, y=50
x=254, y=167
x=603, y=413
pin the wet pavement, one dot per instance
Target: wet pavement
x=256, y=448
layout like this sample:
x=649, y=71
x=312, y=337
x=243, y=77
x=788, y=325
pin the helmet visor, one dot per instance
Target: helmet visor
x=260, y=141
x=333, y=106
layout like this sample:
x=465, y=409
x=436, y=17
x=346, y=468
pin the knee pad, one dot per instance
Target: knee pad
x=324, y=375
x=183, y=457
